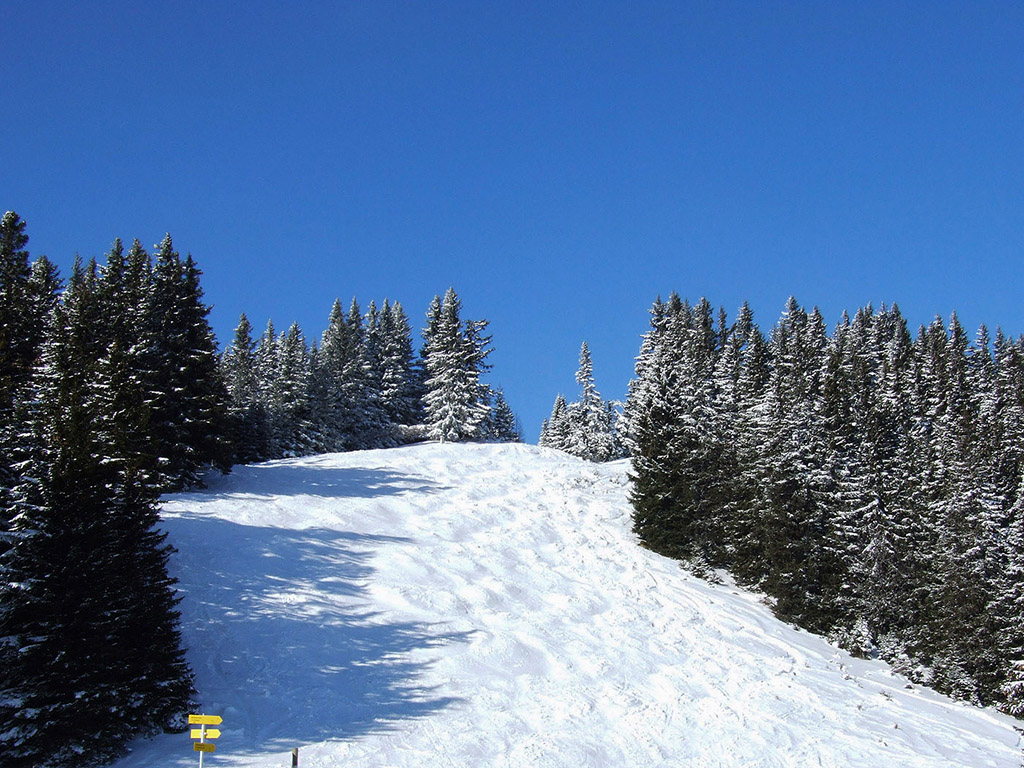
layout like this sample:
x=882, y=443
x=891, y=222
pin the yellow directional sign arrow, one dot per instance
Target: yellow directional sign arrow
x=197, y=747
x=205, y=719
x=211, y=733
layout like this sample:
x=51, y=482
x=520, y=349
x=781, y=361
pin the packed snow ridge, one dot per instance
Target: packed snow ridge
x=488, y=605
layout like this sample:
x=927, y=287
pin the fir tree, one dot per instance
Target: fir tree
x=501, y=425
x=454, y=355
x=399, y=392
x=290, y=405
x=247, y=412
x=189, y=408
x=28, y=294
x=590, y=425
x=556, y=431
x=347, y=379
x=16, y=333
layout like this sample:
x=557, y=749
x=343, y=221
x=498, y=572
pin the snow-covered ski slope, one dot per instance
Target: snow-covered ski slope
x=480, y=605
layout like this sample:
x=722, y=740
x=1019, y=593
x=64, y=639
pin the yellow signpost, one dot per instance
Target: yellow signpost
x=203, y=733
x=205, y=719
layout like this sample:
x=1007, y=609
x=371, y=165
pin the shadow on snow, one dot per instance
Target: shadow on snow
x=281, y=631
x=311, y=477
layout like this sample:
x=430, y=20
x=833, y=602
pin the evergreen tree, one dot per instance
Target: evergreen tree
x=589, y=432
x=805, y=563
x=1008, y=606
x=189, y=407
x=555, y=432
x=373, y=428
x=639, y=394
x=971, y=553
x=501, y=424
x=28, y=294
x=16, y=331
x=267, y=364
x=399, y=393
x=676, y=436
x=347, y=378
x=290, y=405
x=247, y=412
x=454, y=355
x=43, y=292
x=54, y=625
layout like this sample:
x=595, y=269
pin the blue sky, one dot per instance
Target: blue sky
x=559, y=163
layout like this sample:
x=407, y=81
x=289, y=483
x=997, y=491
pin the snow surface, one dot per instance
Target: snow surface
x=482, y=605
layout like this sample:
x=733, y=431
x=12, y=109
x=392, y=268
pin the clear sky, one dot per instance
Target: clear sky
x=559, y=163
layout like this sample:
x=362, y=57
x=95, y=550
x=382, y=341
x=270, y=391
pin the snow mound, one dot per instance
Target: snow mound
x=487, y=605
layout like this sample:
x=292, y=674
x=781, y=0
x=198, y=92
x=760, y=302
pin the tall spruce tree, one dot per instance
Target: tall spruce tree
x=295, y=433
x=454, y=358
x=675, y=435
x=501, y=424
x=27, y=296
x=247, y=412
x=188, y=421
x=16, y=332
x=346, y=377
x=590, y=432
x=399, y=391
x=555, y=431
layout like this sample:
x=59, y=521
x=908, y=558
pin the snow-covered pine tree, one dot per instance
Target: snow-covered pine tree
x=267, y=373
x=883, y=533
x=16, y=334
x=294, y=432
x=28, y=294
x=346, y=376
x=555, y=432
x=726, y=377
x=337, y=359
x=1007, y=608
x=747, y=515
x=589, y=420
x=804, y=552
x=454, y=353
x=971, y=526
x=152, y=680
x=399, y=390
x=189, y=409
x=1009, y=404
x=675, y=435
x=638, y=398
x=247, y=412
x=372, y=427
x=670, y=445
x=43, y=291
x=477, y=348
x=51, y=618
x=501, y=424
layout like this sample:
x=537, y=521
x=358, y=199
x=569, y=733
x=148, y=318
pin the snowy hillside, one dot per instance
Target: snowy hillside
x=487, y=606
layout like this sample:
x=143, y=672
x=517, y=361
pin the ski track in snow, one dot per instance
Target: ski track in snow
x=483, y=605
